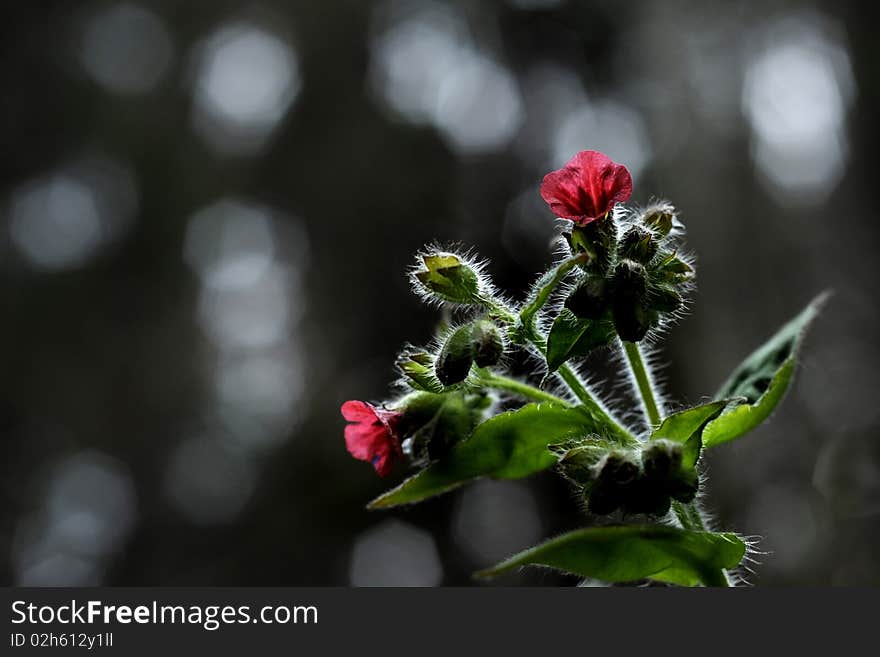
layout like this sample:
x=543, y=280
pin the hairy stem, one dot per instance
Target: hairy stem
x=643, y=382
x=689, y=516
x=579, y=390
x=545, y=286
x=507, y=384
x=499, y=310
x=528, y=332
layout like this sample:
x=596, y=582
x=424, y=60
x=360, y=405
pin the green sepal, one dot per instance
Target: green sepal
x=418, y=368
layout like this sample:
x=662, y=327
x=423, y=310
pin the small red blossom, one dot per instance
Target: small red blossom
x=372, y=435
x=587, y=187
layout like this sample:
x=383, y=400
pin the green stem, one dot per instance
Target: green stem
x=579, y=390
x=500, y=310
x=527, y=331
x=643, y=382
x=507, y=384
x=689, y=516
x=547, y=284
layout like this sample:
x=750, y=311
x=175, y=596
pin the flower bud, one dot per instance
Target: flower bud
x=598, y=239
x=660, y=218
x=637, y=244
x=455, y=358
x=449, y=278
x=619, y=469
x=684, y=489
x=487, y=343
x=633, y=322
x=647, y=496
x=664, y=299
x=673, y=270
x=603, y=499
x=630, y=280
x=578, y=460
x=661, y=460
x=632, y=317
x=434, y=423
x=617, y=473
x=589, y=299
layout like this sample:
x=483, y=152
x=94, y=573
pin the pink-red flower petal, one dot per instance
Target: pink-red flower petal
x=587, y=187
x=372, y=435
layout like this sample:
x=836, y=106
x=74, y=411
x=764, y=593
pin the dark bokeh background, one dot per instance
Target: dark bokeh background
x=206, y=209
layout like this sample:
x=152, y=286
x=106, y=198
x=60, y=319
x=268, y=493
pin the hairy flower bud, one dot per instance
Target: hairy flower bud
x=646, y=496
x=662, y=462
x=672, y=269
x=598, y=239
x=579, y=459
x=455, y=358
x=661, y=459
x=434, y=423
x=449, y=278
x=660, y=218
x=637, y=244
x=630, y=280
x=589, y=299
x=664, y=299
x=487, y=343
x=632, y=317
x=619, y=469
x=617, y=473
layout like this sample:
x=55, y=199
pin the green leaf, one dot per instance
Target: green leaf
x=633, y=552
x=762, y=379
x=571, y=337
x=686, y=427
x=508, y=446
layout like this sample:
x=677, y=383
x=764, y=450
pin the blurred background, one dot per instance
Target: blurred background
x=206, y=210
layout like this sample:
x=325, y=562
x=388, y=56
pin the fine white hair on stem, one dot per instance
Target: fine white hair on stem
x=634, y=389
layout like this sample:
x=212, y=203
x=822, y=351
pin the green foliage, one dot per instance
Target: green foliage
x=634, y=552
x=762, y=380
x=686, y=427
x=617, y=289
x=508, y=446
x=571, y=337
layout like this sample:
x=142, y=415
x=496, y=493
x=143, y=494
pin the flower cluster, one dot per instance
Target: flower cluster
x=629, y=276
x=620, y=276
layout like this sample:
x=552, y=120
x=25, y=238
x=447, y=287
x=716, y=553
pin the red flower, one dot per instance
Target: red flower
x=372, y=435
x=587, y=187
